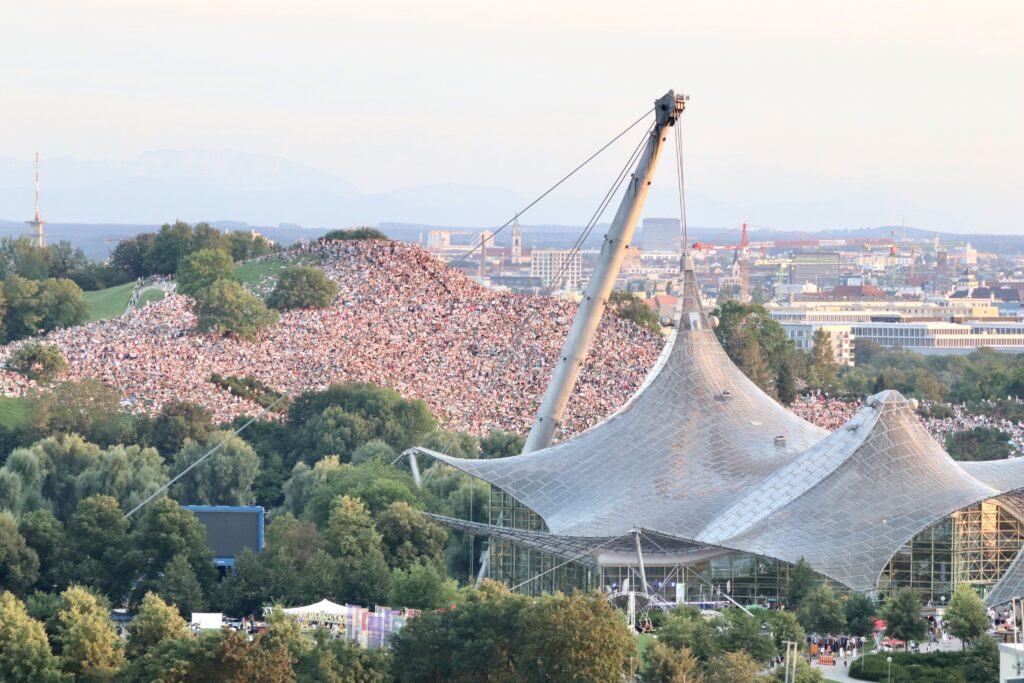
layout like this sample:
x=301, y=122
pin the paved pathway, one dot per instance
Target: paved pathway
x=841, y=673
x=165, y=287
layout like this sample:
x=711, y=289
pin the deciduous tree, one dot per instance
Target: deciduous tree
x=302, y=287
x=200, y=269
x=25, y=655
x=225, y=307
x=154, y=622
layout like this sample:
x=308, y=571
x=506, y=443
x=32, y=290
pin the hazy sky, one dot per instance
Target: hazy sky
x=791, y=101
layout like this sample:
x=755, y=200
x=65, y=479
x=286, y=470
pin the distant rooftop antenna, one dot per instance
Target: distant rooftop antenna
x=36, y=224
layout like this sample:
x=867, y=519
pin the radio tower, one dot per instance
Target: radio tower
x=36, y=224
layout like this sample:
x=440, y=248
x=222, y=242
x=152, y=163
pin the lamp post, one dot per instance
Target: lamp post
x=889, y=661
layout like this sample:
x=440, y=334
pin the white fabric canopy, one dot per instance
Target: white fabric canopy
x=322, y=607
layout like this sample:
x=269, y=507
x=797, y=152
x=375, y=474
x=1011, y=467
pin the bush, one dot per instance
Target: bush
x=40, y=362
x=354, y=234
x=908, y=667
x=251, y=389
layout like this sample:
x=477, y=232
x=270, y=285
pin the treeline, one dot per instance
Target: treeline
x=983, y=380
x=161, y=252
x=346, y=524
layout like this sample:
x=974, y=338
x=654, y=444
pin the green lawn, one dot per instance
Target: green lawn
x=250, y=273
x=13, y=411
x=109, y=302
x=149, y=297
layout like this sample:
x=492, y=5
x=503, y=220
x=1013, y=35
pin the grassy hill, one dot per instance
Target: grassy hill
x=13, y=411
x=109, y=302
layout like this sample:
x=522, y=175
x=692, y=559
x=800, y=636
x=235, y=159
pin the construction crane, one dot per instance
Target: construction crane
x=794, y=244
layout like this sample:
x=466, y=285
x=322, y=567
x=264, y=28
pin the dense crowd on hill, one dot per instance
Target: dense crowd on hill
x=480, y=359
x=402, y=320
x=830, y=413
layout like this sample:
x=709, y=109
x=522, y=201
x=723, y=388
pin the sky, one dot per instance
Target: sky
x=792, y=102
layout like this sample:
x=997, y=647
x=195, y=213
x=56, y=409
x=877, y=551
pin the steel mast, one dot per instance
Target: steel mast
x=567, y=369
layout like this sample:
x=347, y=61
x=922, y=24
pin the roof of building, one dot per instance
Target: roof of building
x=701, y=455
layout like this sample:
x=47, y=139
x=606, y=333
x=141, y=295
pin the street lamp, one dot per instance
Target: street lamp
x=889, y=661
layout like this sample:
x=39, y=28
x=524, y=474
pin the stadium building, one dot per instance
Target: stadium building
x=702, y=486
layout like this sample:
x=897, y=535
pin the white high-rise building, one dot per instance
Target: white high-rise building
x=560, y=267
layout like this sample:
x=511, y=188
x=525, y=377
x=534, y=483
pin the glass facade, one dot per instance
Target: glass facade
x=975, y=545
x=528, y=570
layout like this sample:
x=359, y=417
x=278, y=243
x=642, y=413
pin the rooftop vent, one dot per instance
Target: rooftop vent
x=780, y=441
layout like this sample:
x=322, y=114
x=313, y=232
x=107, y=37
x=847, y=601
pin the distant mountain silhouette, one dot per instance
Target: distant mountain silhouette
x=257, y=189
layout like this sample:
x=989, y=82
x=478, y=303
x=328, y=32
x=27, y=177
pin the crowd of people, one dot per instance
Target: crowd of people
x=480, y=359
x=831, y=413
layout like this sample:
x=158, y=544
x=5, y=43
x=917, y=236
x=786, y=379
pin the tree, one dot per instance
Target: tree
x=21, y=256
x=200, y=269
x=176, y=422
x=354, y=234
x=246, y=245
x=129, y=255
x=477, y=641
x=86, y=407
x=801, y=582
x=302, y=287
x=97, y=545
x=823, y=364
x=979, y=443
x=902, y=616
x=180, y=586
x=983, y=661
x=332, y=660
x=821, y=612
x=421, y=587
x=224, y=478
x=62, y=304
x=499, y=444
x=410, y=538
x=25, y=655
x=40, y=362
x=90, y=648
x=859, y=610
x=351, y=538
x=374, y=449
x=628, y=306
x=168, y=247
x=19, y=564
x=573, y=638
x=665, y=664
x=966, y=614
x=44, y=534
x=23, y=312
x=785, y=627
x=399, y=422
x=155, y=622
x=225, y=307
x=128, y=473
x=165, y=531
x=207, y=237
x=751, y=359
x=733, y=667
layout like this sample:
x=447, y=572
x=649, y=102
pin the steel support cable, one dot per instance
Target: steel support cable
x=577, y=245
x=569, y=561
x=204, y=457
x=551, y=189
x=681, y=179
x=685, y=568
x=517, y=340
